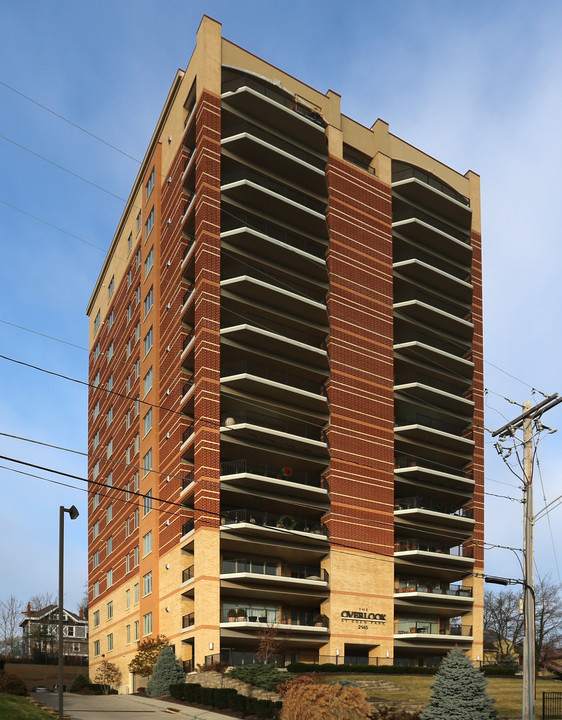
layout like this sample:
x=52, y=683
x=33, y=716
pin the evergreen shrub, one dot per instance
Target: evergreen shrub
x=167, y=671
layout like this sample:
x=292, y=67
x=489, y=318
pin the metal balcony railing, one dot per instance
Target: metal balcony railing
x=412, y=213
x=188, y=338
x=188, y=293
x=264, y=181
x=273, y=520
x=413, y=253
x=187, y=574
x=188, y=620
x=187, y=527
x=432, y=382
x=274, y=327
x=422, y=503
x=274, y=568
x=402, y=461
x=188, y=479
x=430, y=422
x=286, y=473
x=434, y=301
x=433, y=587
x=429, y=627
x=188, y=432
x=236, y=417
x=431, y=181
x=268, y=373
x=279, y=617
x=433, y=547
x=233, y=270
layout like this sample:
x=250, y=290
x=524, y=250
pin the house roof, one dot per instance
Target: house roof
x=44, y=613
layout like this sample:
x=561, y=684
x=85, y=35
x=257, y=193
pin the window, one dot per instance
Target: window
x=136, y=519
x=129, y=278
x=110, y=383
x=110, y=320
x=109, y=481
x=96, y=648
x=110, y=642
x=110, y=513
x=148, y=339
x=150, y=184
x=70, y=631
x=138, y=260
x=96, y=529
x=110, y=578
x=96, y=352
x=127, y=527
x=147, y=543
x=129, y=347
x=96, y=618
x=127, y=634
x=96, y=440
x=97, y=322
x=147, y=503
x=96, y=381
x=111, y=288
x=135, y=556
x=110, y=416
x=128, y=455
x=96, y=559
x=136, y=482
x=110, y=609
x=128, y=388
x=148, y=301
x=139, y=221
x=96, y=500
x=136, y=592
x=137, y=294
x=127, y=563
x=129, y=244
x=137, y=443
x=128, y=598
x=137, y=632
x=96, y=589
x=149, y=224
x=110, y=351
x=147, y=623
x=147, y=583
x=147, y=463
x=137, y=369
x=96, y=469
x=110, y=448
x=96, y=410
x=128, y=491
x=149, y=262
x=147, y=422
x=129, y=312
x=147, y=382
x=109, y=545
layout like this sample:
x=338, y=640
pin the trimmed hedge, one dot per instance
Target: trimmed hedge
x=300, y=667
x=498, y=670
x=223, y=698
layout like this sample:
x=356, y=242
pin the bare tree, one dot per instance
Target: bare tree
x=272, y=641
x=504, y=621
x=548, y=619
x=10, y=617
x=42, y=600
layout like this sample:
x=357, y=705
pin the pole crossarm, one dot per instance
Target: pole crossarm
x=532, y=413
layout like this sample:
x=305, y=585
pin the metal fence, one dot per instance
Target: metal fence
x=552, y=705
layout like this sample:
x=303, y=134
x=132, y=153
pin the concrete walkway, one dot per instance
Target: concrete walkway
x=117, y=707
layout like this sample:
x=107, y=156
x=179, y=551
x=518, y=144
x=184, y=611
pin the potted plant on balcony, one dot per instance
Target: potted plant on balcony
x=240, y=615
x=319, y=620
x=231, y=615
x=286, y=473
x=287, y=522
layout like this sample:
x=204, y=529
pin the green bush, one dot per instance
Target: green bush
x=267, y=677
x=12, y=684
x=499, y=671
x=223, y=697
x=206, y=696
x=99, y=689
x=300, y=667
x=167, y=671
x=176, y=691
x=80, y=682
x=192, y=692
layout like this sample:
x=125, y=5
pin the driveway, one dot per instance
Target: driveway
x=122, y=707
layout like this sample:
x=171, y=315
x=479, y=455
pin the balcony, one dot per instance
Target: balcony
x=423, y=189
x=416, y=354
x=288, y=282
x=421, y=273
x=430, y=314
x=422, y=503
x=413, y=514
x=429, y=430
x=406, y=252
x=188, y=574
x=415, y=226
x=187, y=439
x=432, y=595
x=275, y=521
x=298, y=618
x=188, y=207
x=434, y=552
x=429, y=627
x=423, y=389
x=188, y=621
x=187, y=527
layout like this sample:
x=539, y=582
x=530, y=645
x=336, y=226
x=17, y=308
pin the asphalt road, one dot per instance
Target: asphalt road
x=122, y=707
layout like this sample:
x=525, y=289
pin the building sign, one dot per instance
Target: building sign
x=362, y=617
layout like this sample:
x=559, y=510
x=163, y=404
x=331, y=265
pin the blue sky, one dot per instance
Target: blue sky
x=475, y=84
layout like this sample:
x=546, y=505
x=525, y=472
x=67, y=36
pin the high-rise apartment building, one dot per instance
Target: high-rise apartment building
x=286, y=354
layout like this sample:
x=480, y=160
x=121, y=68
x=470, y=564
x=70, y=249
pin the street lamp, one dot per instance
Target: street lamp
x=73, y=512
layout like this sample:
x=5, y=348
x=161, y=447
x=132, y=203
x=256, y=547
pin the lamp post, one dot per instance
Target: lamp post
x=73, y=512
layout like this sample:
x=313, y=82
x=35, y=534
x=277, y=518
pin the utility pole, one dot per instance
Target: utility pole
x=525, y=421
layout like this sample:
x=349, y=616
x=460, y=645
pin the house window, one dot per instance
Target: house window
x=96, y=589
x=129, y=278
x=110, y=578
x=147, y=543
x=139, y=222
x=109, y=514
x=138, y=261
x=97, y=322
x=69, y=630
x=111, y=288
x=137, y=630
x=129, y=312
x=129, y=347
x=148, y=340
x=96, y=648
x=96, y=559
x=96, y=618
x=127, y=391
x=127, y=527
x=147, y=583
x=96, y=529
x=96, y=440
x=136, y=482
x=147, y=623
x=147, y=422
x=149, y=262
x=128, y=491
x=128, y=597
x=147, y=464
x=137, y=369
x=147, y=503
x=149, y=224
x=147, y=382
x=127, y=634
x=109, y=545
x=136, y=592
x=128, y=455
x=148, y=301
x=135, y=556
x=150, y=184
x=110, y=609
x=110, y=641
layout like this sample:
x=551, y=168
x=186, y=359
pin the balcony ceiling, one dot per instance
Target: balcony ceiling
x=424, y=274
x=425, y=313
x=429, y=236
x=433, y=397
x=415, y=351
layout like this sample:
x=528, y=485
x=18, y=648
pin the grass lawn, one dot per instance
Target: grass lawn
x=13, y=707
x=506, y=691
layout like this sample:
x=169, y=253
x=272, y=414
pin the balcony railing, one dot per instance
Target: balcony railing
x=276, y=141
x=271, y=423
x=403, y=461
x=273, y=520
x=425, y=586
x=187, y=527
x=234, y=270
x=277, y=233
x=264, y=181
x=407, y=253
x=413, y=213
x=262, y=371
x=288, y=474
x=279, y=617
x=188, y=620
x=457, y=349
x=188, y=574
x=422, y=503
x=435, y=301
x=188, y=293
x=431, y=181
x=188, y=479
x=274, y=568
x=187, y=666
x=432, y=628
x=433, y=547
x=188, y=432
x=188, y=338
x=428, y=421
x=429, y=380
x=274, y=327
x=187, y=386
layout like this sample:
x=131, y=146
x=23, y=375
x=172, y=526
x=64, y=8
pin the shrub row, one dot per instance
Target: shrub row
x=267, y=677
x=222, y=698
x=499, y=670
x=300, y=667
